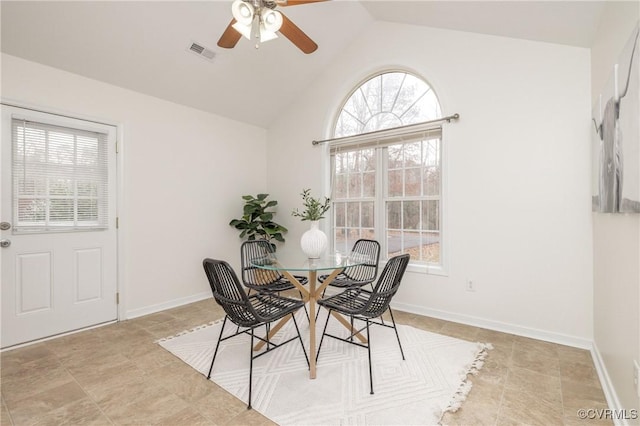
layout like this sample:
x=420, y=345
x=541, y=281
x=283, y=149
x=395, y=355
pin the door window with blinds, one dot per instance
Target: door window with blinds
x=387, y=169
x=60, y=178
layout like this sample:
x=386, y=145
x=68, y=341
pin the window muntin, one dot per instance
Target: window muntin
x=385, y=101
x=389, y=188
x=59, y=178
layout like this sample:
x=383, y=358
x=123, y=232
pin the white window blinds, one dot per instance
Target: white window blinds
x=60, y=178
x=387, y=137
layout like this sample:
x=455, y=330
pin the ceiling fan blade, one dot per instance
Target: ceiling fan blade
x=297, y=36
x=295, y=2
x=230, y=36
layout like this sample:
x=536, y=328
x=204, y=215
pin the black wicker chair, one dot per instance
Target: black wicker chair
x=263, y=280
x=361, y=274
x=248, y=312
x=364, y=305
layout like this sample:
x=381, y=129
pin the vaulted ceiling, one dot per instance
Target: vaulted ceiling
x=144, y=45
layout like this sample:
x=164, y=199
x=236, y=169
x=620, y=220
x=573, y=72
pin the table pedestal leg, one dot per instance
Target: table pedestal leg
x=312, y=295
x=312, y=324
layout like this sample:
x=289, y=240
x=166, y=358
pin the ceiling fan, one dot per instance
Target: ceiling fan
x=258, y=20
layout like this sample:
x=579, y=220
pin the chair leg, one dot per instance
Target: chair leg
x=267, y=328
x=396, y=330
x=250, y=368
x=293, y=317
x=217, y=346
x=324, y=330
x=369, y=353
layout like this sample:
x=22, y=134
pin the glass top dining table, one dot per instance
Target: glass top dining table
x=302, y=264
x=333, y=265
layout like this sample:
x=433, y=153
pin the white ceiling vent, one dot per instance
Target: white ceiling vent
x=202, y=51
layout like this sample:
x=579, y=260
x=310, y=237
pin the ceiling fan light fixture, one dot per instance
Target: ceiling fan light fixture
x=245, y=30
x=258, y=22
x=243, y=12
x=266, y=34
x=272, y=20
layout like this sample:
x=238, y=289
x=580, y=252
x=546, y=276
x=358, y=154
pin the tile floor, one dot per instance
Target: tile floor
x=116, y=374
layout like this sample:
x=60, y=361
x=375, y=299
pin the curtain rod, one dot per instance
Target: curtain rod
x=392, y=129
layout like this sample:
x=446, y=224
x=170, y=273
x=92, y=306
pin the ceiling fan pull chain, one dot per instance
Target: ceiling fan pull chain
x=255, y=28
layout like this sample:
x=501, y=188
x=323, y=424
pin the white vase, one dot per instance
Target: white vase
x=313, y=241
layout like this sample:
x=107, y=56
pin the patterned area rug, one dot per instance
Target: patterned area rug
x=432, y=380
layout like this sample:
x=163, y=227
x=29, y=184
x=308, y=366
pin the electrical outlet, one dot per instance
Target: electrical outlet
x=471, y=285
x=636, y=376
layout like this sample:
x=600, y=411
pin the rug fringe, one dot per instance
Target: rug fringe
x=182, y=333
x=463, y=391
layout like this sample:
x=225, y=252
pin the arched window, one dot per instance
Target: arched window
x=389, y=187
x=385, y=101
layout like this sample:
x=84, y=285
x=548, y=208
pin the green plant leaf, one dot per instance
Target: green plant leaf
x=314, y=208
x=266, y=217
x=257, y=221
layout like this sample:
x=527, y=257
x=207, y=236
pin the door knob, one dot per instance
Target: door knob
x=5, y=243
x=4, y=226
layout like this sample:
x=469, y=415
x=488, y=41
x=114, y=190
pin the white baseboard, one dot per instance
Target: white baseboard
x=607, y=386
x=135, y=313
x=548, y=336
x=415, y=309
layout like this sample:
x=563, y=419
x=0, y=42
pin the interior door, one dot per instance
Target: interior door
x=58, y=235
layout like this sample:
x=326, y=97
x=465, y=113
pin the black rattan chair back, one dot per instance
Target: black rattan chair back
x=229, y=293
x=366, y=272
x=386, y=287
x=253, y=277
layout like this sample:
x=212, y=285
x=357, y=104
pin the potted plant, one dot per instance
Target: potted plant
x=257, y=220
x=314, y=209
x=313, y=241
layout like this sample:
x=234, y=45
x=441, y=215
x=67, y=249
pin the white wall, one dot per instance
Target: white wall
x=518, y=207
x=616, y=239
x=184, y=173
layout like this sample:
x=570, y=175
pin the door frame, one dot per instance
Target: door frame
x=120, y=200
